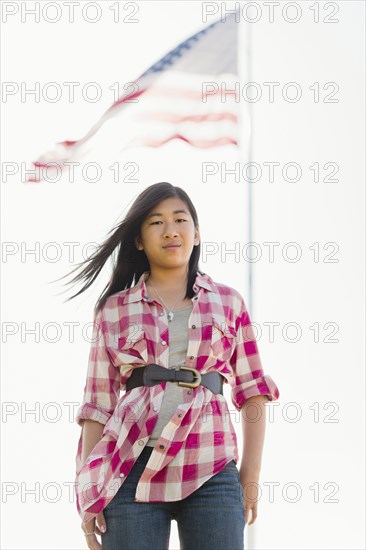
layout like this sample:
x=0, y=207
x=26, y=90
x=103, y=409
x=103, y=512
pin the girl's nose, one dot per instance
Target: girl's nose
x=169, y=231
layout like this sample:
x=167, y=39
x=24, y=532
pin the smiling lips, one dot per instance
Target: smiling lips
x=172, y=245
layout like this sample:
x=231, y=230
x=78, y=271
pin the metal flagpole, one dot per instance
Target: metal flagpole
x=245, y=137
x=245, y=154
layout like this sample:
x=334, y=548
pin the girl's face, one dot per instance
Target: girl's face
x=169, y=222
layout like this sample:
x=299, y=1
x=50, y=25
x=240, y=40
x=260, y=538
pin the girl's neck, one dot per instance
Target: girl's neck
x=168, y=283
x=173, y=296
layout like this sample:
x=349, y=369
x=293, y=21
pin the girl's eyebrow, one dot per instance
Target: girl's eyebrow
x=159, y=213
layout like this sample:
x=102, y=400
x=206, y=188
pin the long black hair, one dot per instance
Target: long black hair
x=132, y=263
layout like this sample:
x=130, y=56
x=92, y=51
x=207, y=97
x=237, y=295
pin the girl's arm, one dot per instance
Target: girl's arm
x=101, y=393
x=253, y=415
x=92, y=433
x=253, y=423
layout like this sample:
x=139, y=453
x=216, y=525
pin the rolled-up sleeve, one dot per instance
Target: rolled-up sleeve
x=102, y=386
x=248, y=378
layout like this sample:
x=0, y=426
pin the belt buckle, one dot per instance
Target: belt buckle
x=193, y=384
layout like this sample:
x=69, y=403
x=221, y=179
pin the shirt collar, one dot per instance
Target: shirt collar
x=139, y=291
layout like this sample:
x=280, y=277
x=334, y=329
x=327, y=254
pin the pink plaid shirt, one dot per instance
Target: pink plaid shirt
x=130, y=331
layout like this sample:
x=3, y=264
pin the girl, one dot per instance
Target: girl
x=171, y=337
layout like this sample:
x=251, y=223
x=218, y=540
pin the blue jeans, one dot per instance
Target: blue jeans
x=211, y=518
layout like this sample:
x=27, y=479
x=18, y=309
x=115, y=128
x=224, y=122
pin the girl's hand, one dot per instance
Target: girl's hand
x=96, y=524
x=250, y=487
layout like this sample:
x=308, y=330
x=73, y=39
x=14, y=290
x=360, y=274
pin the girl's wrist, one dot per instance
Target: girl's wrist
x=249, y=472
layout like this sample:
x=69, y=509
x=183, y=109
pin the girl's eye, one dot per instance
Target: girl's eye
x=159, y=221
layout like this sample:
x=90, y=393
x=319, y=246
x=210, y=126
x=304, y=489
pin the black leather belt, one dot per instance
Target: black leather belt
x=188, y=377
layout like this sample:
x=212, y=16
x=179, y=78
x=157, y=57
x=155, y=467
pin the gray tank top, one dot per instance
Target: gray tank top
x=173, y=394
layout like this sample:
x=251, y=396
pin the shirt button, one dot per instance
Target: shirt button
x=193, y=326
x=163, y=343
x=161, y=446
x=141, y=442
x=121, y=475
x=191, y=357
x=155, y=408
x=162, y=313
x=180, y=414
x=189, y=392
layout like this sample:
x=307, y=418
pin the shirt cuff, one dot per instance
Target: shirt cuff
x=91, y=411
x=263, y=385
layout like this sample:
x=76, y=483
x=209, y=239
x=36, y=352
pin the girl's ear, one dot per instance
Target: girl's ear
x=138, y=243
x=197, y=237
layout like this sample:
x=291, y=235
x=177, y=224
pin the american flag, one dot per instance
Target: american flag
x=190, y=94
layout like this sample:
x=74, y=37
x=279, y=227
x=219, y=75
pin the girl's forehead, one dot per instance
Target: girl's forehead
x=178, y=207
x=172, y=202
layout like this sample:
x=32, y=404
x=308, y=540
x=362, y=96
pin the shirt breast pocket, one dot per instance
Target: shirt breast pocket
x=132, y=345
x=223, y=339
